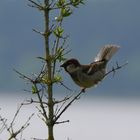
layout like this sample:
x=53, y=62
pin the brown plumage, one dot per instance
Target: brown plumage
x=87, y=76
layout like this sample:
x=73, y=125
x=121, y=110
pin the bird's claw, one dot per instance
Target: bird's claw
x=83, y=89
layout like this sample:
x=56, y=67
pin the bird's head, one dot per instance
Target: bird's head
x=71, y=65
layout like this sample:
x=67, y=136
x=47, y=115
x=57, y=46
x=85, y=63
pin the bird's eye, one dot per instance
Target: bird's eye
x=70, y=63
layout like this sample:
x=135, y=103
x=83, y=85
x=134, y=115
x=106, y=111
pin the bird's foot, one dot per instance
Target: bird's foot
x=83, y=89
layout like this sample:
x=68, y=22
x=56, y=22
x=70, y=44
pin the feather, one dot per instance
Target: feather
x=106, y=53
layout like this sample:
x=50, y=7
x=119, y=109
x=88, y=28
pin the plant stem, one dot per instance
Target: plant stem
x=50, y=123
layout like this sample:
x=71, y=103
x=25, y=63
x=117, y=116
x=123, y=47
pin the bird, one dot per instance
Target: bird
x=87, y=76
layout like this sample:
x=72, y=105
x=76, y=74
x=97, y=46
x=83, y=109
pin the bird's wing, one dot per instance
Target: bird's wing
x=86, y=68
x=93, y=67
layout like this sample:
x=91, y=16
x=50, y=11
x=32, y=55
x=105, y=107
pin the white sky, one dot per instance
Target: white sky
x=98, y=118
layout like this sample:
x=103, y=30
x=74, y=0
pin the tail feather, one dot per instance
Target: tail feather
x=106, y=53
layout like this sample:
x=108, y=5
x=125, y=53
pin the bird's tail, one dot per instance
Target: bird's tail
x=106, y=53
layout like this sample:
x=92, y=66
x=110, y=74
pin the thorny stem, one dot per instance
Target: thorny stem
x=68, y=105
x=42, y=106
x=56, y=47
x=54, y=64
x=10, y=128
x=50, y=123
x=114, y=69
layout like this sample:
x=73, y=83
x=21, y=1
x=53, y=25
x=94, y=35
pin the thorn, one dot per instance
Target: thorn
x=31, y=100
x=113, y=70
x=117, y=64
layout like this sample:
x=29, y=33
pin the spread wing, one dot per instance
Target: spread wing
x=93, y=67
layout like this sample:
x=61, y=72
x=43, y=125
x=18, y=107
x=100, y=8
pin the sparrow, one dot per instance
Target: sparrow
x=90, y=75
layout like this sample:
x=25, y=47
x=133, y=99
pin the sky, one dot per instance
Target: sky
x=92, y=26
x=98, y=118
x=112, y=108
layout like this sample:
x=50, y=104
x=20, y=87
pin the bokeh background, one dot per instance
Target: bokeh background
x=110, y=111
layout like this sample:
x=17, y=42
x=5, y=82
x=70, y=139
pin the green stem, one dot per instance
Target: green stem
x=50, y=123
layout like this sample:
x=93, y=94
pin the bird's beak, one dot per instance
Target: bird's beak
x=62, y=65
